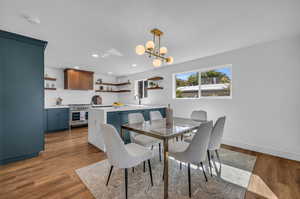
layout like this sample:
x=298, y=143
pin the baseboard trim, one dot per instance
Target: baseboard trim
x=270, y=151
x=15, y=159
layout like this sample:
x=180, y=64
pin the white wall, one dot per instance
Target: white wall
x=264, y=112
x=75, y=96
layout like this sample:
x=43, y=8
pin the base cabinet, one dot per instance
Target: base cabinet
x=56, y=119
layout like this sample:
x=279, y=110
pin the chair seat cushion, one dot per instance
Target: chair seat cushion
x=145, y=140
x=139, y=153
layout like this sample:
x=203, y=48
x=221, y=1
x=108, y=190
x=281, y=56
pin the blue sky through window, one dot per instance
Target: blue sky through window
x=227, y=71
x=185, y=76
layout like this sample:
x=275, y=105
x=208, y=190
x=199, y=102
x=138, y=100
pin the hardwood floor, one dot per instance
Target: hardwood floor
x=52, y=174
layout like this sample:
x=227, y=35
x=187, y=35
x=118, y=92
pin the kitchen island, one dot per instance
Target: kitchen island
x=115, y=116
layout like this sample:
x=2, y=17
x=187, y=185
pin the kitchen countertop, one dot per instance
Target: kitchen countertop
x=68, y=106
x=57, y=106
x=129, y=107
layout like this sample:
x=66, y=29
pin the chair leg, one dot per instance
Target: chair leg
x=203, y=171
x=163, y=176
x=144, y=169
x=176, y=139
x=180, y=165
x=159, y=149
x=189, y=178
x=132, y=169
x=152, y=147
x=110, y=170
x=126, y=183
x=150, y=171
x=217, y=153
x=209, y=162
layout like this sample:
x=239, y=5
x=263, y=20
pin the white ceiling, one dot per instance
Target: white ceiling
x=75, y=29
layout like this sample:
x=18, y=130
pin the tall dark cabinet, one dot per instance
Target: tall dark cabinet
x=21, y=96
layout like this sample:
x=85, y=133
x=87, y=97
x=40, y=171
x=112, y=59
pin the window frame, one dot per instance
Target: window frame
x=143, y=88
x=199, y=90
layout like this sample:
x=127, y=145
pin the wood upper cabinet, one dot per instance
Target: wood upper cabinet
x=79, y=79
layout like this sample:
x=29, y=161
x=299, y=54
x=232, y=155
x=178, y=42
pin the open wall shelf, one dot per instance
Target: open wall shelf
x=53, y=89
x=113, y=84
x=50, y=78
x=120, y=91
x=155, y=88
x=157, y=78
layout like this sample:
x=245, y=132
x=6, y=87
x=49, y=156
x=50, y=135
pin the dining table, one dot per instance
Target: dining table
x=165, y=131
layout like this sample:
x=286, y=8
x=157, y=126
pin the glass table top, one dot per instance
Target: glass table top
x=159, y=128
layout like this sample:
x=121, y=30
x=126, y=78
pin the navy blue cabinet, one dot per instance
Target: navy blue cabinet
x=119, y=118
x=22, y=96
x=56, y=119
x=114, y=118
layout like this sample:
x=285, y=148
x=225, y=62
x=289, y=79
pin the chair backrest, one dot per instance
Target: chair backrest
x=196, y=151
x=155, y=115
x=116, y=152
x=217, y=134
x=199, y=115
x=135, y=118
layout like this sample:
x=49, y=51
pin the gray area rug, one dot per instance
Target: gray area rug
x=230, y=181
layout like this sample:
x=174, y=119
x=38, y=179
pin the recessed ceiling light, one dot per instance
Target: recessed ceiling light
x=76, y=67
x=133, y=65
x=109, y=73
x=95, y=55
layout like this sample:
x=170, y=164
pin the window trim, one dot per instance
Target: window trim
x=199, y=91
x=137, y=82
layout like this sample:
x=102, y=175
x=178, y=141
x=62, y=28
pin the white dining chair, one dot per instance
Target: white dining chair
x=140, y=139
x=215, y=140
x=195, y=152
x=199, y=115
x=123, y=156
x=155, y=115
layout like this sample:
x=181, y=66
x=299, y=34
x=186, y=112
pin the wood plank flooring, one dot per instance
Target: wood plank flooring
x=52, y=174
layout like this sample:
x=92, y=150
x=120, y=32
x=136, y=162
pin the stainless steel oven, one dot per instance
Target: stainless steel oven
x=79, y=114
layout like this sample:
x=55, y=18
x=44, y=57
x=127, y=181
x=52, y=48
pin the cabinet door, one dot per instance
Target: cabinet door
x=53, y=119
x=57, y=119
x=71, y=79
x=146, y=114
x=79, y=80
x=86, y=81
x=64, y=119
x=23, y=98
x=113, y=118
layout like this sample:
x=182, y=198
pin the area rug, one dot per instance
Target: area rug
x=230, y=179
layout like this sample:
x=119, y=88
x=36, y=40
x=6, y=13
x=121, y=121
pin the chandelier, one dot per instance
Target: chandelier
x=153, y=49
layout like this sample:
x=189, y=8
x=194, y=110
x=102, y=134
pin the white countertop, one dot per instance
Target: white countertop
x=57, y=106
x=129, y=107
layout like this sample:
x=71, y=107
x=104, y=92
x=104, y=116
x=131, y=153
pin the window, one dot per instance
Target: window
x=187, y=85
x=141, y=89
x=214, y=82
